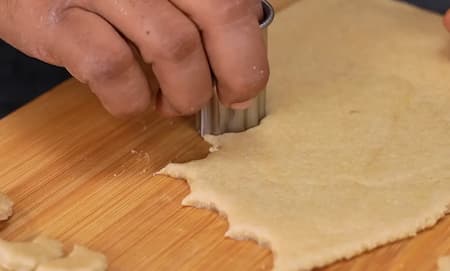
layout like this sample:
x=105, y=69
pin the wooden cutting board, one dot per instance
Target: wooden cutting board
x=79, y=175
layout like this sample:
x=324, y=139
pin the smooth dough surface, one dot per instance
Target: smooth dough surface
x=444, y=264
x=354, y=152
x=80, y=259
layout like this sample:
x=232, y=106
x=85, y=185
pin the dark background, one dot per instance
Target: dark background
x=23, y=79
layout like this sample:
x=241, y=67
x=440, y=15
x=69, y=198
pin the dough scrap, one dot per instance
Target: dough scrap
x=444, y=264
x=26, y=256
x=354, y=152
x=43, y=254
x=80, y=259
x=6, y=207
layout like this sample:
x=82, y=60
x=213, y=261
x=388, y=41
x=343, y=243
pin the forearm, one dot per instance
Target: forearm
x=9, y=29
x=3, y=18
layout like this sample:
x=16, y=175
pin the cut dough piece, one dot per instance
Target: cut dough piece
x=444, y=264
x=6, y=207
x=354, y=152
x=26, y=256
x=80, y=259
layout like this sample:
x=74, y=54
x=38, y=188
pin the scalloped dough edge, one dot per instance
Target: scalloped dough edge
x=210, y=200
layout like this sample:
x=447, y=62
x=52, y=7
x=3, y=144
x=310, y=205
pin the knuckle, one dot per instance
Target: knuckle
x=179, y=44
x=106, y=63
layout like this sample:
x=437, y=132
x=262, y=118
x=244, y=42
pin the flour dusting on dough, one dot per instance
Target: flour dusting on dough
x=213, y=141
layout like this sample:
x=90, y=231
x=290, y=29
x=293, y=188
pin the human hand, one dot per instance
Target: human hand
x=446, y=20
x=103, y=43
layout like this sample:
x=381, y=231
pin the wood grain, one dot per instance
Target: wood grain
x=79, y=175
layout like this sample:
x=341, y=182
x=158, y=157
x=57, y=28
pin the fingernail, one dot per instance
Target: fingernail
x=241, y=106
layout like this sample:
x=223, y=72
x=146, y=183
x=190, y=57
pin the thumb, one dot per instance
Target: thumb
x=446, y=20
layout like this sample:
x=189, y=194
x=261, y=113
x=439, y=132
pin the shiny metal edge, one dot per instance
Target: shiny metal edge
x=217, y=119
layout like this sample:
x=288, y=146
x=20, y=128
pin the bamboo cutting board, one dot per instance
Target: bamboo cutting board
x=79, y=175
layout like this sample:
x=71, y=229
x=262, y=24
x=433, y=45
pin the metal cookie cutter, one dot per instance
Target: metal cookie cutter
x=217, y=119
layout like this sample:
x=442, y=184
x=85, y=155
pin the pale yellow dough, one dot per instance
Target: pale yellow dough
x=6, y=207
x=26, y=256
x=355, y=151
x=80, y=259
x=444, y=264
x=44, y=254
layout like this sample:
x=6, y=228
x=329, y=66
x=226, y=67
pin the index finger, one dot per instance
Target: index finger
x=234, y=43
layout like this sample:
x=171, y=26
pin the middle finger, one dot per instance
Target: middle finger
x=170, y=41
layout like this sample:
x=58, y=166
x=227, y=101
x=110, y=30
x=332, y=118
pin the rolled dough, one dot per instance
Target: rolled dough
x=444, y=264
x=44, y=254
x=354, y=152
x=5, y=207
x=26, y=256
x=80, y=259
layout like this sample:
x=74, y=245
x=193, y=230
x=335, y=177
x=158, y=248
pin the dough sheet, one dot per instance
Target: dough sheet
x=354, y=152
